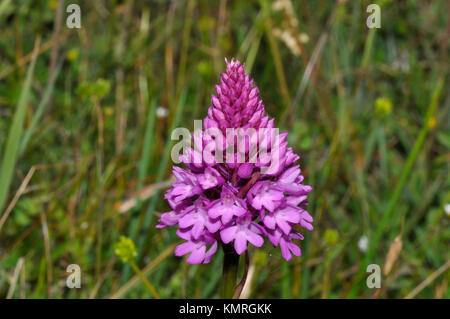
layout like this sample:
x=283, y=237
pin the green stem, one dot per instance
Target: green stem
x=146, y=282
x=230, y=268
x=275, y=53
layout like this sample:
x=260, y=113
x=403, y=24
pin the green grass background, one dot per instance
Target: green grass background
x=79, y=133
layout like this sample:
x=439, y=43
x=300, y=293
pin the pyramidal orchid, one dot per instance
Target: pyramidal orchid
x=256, y=193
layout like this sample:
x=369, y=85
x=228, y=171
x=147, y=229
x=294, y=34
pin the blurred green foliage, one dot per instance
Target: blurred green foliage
x=360, y=114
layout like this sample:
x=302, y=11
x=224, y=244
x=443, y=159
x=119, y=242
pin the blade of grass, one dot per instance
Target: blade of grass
x=382, y=225
x=251, y=56
x=146, y=271
x=286, y=280
x=161, y=172
x=369, y=43
x=275, y=53
x=290, y=110
x=148, y=143
x=134, y=227
x=368, y=48
x=15, y=278
x=428, y=280
x=40, y=110
x=16, y=130
x=145, y=280
x=185, y=46
x=144, y=161
x=3, y=7
x=19, y=192
x=306, y=274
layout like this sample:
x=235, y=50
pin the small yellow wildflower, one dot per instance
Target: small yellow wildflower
x=53, y=4
x=330, y=237
x=125, y=249
x=383, y=106
x=72, y=55
x=431, y=122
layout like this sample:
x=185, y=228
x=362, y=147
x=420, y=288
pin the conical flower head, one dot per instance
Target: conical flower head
x=254, y=192
x=236, y=103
